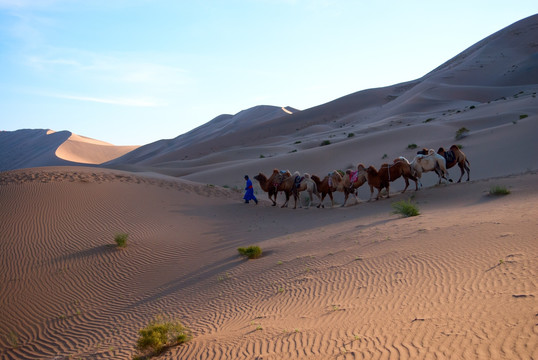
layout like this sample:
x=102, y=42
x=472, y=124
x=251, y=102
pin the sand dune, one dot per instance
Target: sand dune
x=80, y=149
x=356, y=282
x=38, y=147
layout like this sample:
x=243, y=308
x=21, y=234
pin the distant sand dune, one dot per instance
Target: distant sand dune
x=85, y=150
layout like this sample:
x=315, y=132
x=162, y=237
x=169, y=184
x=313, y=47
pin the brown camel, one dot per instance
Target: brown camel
x=330, y=183
x=271, y=185
x=456, y=156
x=289, y=186
x=353, y=180
x=388, y=173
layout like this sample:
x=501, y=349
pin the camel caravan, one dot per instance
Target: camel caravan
x=348, y=182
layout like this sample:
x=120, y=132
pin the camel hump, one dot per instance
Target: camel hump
x=431, y=152
x=306, y=175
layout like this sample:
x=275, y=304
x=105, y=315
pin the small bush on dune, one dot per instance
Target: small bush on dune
x=499, y=190
x=121, y=239
x=252, y=252
x=461, y=133
x=325, y=142
x=405, y=208
x=412, y=146
x=158, y=335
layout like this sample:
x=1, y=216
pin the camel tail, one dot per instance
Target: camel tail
x=467, y=161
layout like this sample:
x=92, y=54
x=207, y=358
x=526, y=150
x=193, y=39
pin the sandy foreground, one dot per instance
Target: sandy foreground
x=459, y=281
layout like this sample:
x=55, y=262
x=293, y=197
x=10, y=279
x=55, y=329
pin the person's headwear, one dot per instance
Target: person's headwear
x=246, y=177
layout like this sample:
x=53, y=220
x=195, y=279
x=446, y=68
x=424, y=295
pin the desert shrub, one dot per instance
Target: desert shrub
x=523, y=116
x=325, y=142
x=262, y=157
x=158, y=335
x=297, y=142
x=472, y=107
x=252, y=252
x=429, y=119
x=350, y=135
x=384, y=156
x=405, y=208
x=499, y=190
x=412, y=146
x=121, y=239
x=461, y=133
x=12, y=339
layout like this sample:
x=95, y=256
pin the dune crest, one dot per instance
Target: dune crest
x=84, y=150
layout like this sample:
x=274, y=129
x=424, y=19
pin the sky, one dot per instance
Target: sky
x=131, y=72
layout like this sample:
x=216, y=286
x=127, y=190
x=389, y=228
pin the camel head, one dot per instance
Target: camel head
x=424, y=151
x=371, y=170
x=260, y=177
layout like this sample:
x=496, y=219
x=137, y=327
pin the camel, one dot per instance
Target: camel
x=330, y=183
x=271, y=185
x=403, y=169
x=388, y=173
x=307, y=184
x=456, y=156
x=353, y=180
x=290, y=187
x=430, y=162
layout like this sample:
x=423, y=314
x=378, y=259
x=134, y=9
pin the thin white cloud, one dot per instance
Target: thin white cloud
x=134, y=102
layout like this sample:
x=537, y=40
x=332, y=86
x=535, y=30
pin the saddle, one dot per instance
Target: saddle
x=450, y=156
x=298, y=180
x=353, y=176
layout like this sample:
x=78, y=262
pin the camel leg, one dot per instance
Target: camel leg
x=378, y=193
x=468, y=171
x=462, y=171
x=321, y=201
x=270, y=196
x=332, y=200
x=287, y=199
x=388, y=190
x=406, y=184
x=346, y=192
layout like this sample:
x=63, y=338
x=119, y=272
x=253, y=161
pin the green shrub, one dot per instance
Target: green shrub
x=461, y=133
x=121, y=239
x=350, y=135
x=523, y=116
x=429, y=119
x=499, y=190
x=158, y=335
x=325, y=142
x=412, y=146
x=405, y=208
x=252, y=252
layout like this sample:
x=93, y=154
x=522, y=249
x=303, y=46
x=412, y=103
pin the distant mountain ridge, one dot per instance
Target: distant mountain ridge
x=499, y=66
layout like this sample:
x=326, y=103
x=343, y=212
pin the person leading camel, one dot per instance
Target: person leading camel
x=249, y=192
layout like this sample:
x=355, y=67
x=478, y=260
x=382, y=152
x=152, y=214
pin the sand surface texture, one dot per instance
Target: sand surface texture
x=458, y=281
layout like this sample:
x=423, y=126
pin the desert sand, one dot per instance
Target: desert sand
x=458, y=281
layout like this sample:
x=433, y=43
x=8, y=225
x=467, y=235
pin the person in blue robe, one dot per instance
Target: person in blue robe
x=249, y=191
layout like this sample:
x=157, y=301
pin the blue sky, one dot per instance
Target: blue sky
x=131, y=72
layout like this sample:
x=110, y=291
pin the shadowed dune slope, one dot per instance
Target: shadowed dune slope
x=489, y=85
